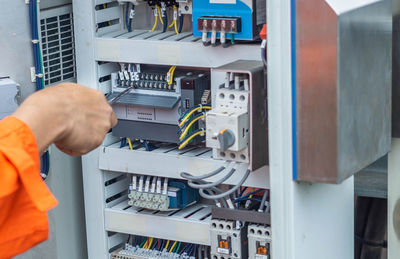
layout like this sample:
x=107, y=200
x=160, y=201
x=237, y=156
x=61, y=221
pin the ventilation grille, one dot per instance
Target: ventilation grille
x=58, y=48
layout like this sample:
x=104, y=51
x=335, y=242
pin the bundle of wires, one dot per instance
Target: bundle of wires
x=129, y=13
x=210, y=190
x=175, y=247
x=37, y=58
x=187, y=123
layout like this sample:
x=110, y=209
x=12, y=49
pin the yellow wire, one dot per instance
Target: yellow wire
x=145, y=244
x=184, y=144
x=183, y=135
x=190, y=114
x=150, y=243
x=159, y=14
x=171, y=72
x=172, y=24
x=176, y=27
x=170, y=250
x=155, y=23
x=130, y=144
x=166, y=246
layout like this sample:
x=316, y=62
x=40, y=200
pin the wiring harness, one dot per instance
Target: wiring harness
x=188, y=122
x=39, y=73
x=148, y=247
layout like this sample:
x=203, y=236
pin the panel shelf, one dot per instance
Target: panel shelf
x=143, y=46
x=172, y=225
x=168, y=161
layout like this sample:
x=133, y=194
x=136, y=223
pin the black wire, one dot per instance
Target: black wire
x=165, y=20
x=372, y=243
x=180, y=23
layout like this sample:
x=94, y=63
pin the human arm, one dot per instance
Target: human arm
x=76, y=119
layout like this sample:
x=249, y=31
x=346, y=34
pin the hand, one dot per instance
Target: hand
x=74, y=117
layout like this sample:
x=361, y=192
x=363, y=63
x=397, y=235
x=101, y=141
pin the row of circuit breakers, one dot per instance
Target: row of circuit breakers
x=226, y=20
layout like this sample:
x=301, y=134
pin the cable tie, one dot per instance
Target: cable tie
x=35, y=41
x=39, y=75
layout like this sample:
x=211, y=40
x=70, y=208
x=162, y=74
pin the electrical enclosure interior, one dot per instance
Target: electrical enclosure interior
x=193, y=126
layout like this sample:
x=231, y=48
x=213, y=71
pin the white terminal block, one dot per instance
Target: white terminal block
x=260, y=240
x=231, y=113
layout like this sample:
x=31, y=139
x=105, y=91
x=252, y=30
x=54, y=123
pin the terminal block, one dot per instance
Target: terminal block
x=135, y=252
x=259, y=242
x=226, y=20
x=237, y=125
x=160, y=194
x=228, y=239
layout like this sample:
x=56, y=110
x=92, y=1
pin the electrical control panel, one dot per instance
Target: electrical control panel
x=192, y=131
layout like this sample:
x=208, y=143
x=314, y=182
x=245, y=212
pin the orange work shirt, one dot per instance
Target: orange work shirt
x=24, y=197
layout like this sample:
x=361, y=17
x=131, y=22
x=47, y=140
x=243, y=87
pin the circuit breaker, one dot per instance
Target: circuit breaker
x=237, y=125
x=228, y=239
x=260, y=241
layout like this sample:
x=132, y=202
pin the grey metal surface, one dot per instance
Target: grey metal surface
x=15, y=40
x=372, y=181
x=396, y=69
x=44, y=4
x=146, y=130
x=258, y=145
x=343, y=68
x=241, y=215
x=156, y=101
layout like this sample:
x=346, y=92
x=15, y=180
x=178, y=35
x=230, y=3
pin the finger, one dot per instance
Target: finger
x=114, y=120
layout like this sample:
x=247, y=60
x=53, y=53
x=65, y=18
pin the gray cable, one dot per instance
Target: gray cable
x=264, y=198
x=188, y=176
x=215, y=190
x=230, y=191
x=208, y=185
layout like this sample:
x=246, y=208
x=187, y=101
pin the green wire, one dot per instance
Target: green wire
x=41, y=66
x=144, y=241
x=178, y=247
x=232, y=38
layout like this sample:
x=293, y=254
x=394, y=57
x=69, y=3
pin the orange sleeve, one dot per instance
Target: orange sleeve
x=24, y=197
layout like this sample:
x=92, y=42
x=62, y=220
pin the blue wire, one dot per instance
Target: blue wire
x=187, y=122
x=123, y=143
x=45, y=159
x=247, y=195
x=241, y=193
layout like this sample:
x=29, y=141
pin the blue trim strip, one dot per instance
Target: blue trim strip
x=294, y=115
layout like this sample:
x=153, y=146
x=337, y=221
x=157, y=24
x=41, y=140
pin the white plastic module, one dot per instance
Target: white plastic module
x=259, y=242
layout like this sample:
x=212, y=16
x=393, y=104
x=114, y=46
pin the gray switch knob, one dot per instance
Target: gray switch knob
x=226, y=139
